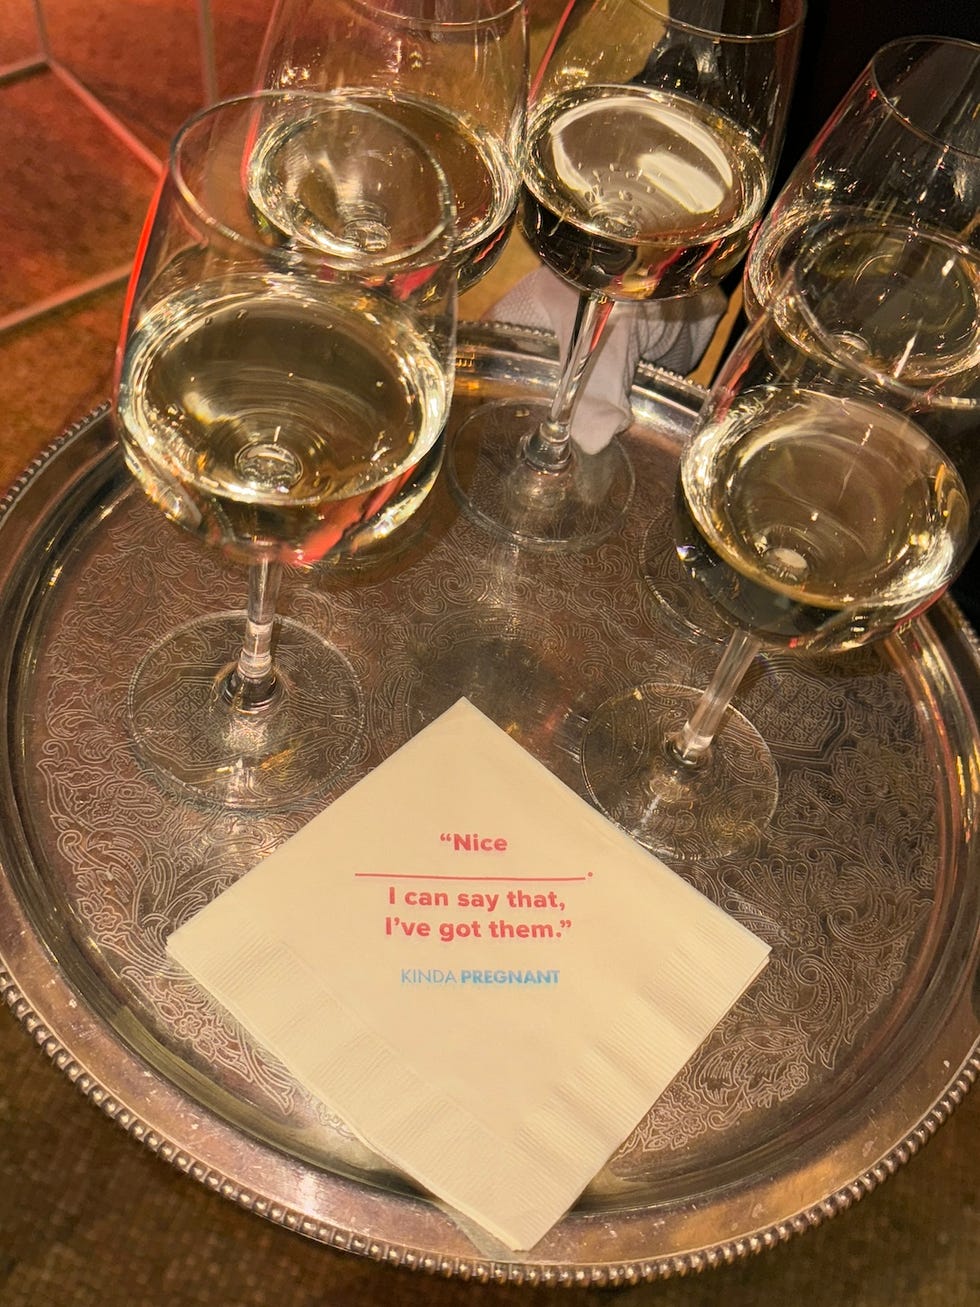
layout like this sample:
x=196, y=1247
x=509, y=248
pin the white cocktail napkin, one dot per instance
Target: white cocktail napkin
x=671, y=333
x=489, y=981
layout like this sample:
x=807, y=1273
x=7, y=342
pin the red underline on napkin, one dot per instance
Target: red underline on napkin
x=380, y=875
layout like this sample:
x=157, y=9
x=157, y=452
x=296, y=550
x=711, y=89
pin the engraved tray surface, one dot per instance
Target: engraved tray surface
x=852, y=1047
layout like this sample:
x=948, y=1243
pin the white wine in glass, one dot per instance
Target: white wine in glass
x=903, y=146
x=630, y=192
x=453, y=72
x=653, y=131
x=829, y=494
x=283, y=378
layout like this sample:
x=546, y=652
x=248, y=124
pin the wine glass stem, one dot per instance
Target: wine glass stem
x=693, y=741
x=252, y=684
x=549, y=448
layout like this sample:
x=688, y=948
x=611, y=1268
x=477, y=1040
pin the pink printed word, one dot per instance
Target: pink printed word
x=473, y=843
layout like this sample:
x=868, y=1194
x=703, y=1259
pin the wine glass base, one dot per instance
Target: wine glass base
x=281, y=755
x=718, y=808
x=678, y=598
x=495, y=485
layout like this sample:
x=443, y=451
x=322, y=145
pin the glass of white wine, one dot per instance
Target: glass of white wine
x=653, y=131
x=285, y=368
x=903, y=146
x=454, y=72
x=828, y=495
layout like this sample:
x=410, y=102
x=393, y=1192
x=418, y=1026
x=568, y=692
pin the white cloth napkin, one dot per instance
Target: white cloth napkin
x=671, y=333
x=484, y=977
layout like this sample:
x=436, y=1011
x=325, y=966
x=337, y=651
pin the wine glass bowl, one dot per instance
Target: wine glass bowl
x=256, y=385
x=453, y=74
x=615, y=222
x=903, y=146
x=333, y=181
x=652, y=134
x=283, y=378
x=828, y=494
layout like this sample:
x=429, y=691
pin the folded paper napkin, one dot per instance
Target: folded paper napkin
x=671, y=333
x=485, y=978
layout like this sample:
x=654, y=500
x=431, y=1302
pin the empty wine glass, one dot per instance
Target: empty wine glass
x=285, y=367
x=454, y=72
x=653, y=130
x=829, y=493
x=902, y=146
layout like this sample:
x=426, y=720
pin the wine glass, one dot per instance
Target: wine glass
x=902, y=146
x=285, y=368
x=653, y=130
x=454, y=72
x=829, y=493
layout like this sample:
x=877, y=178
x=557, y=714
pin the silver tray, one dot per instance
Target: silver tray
x=857, y=1042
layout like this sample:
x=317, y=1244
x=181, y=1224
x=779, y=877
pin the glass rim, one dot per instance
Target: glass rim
x=662, y=9
x=307, y=252
x=872, y=73
x=391, y=9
